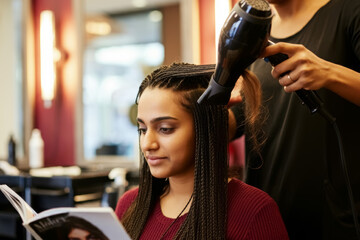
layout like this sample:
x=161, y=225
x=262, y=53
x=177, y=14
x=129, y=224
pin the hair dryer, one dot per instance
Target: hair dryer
x=243, y=37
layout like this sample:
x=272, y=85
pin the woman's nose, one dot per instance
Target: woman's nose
x=148, y=141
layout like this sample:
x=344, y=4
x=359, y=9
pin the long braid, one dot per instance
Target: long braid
x=210, y=173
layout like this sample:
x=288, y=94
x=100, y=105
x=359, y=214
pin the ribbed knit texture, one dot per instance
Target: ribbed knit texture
x=252, y=214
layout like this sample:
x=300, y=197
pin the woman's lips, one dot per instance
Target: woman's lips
x=154, y=160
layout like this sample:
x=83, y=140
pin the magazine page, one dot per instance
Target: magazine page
x=78, y=223
x=24, y=210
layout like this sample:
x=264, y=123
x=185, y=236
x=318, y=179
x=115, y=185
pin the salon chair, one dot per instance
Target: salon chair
x=10, y=221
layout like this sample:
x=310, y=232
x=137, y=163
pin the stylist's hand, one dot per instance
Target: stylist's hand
x=303, y=68
x=235, y=94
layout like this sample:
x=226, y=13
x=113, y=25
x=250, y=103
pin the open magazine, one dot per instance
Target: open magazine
x=98, y=223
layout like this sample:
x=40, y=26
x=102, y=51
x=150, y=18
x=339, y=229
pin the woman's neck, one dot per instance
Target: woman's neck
x=291, y=16
x=181, y=187
x=176, y=196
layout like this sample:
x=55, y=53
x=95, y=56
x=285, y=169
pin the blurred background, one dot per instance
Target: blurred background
x=100, y=51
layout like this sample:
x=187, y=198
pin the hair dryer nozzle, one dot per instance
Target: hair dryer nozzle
x=215, y=94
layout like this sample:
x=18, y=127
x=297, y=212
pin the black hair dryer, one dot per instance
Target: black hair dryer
x=243, y=37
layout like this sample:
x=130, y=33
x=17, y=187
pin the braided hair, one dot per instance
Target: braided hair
x=208, y=212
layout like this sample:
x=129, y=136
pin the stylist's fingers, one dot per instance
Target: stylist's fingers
x=287, y=80
x=302, y=70
x=295, y=53
x=234, y=100
x=281, y=47
x=235, y=94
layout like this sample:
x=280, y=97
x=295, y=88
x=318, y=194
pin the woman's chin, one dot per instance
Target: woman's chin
x=158, y=174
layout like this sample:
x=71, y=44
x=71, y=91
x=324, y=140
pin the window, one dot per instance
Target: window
x=117, y=58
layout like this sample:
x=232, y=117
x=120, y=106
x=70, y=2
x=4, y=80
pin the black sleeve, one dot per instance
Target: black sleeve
x=352, y=16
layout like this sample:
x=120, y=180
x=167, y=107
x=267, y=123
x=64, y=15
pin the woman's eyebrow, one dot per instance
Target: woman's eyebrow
x=158, y=119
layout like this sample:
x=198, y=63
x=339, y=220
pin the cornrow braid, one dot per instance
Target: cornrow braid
x=173, y=77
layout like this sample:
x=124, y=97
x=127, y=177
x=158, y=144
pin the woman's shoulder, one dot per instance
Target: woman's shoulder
x=125, y=201
x=342, y=8
x=130, y=194
x=253, y=213
x=240, y=193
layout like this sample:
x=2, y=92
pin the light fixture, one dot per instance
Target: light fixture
x=222, y=9
x=48, y=57
x=98, y=27
x=155, y=16
x=139, y=3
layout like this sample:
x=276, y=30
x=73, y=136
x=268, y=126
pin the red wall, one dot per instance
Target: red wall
x=207, y=31
x=57, y=123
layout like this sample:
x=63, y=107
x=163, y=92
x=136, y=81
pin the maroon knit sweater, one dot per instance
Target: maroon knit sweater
x=252, y=214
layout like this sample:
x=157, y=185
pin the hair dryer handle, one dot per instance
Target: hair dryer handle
x=307, y=97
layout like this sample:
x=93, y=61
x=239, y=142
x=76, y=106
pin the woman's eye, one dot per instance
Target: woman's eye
x=92, y=237
x=166, y=130
x=142, y=130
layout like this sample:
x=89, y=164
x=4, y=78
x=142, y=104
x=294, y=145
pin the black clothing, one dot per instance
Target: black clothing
x=301, y=162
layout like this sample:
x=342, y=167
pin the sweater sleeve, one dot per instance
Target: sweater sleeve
x=125, y=201
x=268, y=224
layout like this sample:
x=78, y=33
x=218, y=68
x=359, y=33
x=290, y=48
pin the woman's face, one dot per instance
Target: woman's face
x=167, y=135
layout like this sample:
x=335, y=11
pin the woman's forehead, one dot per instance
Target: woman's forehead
x=156, y=101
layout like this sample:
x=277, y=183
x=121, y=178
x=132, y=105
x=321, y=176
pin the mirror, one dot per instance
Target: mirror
x=123, y=43
x=11, y=90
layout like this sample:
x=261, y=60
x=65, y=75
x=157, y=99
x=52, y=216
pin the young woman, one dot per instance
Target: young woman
x=184, y=190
